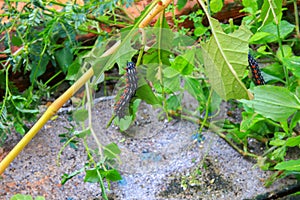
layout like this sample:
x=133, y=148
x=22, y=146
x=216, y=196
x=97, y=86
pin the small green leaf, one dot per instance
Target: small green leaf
x=216, y=5
x=285, y=28
x=250, y=119
x=80, y=115
x=145, y=93
x=83, y=133
x=181, y=4
x=184, y=63
x=74, y=71
x=172, y=83
x=123, y=123
x=277, y=142
x=112, y=150
x=291, y=165
x=200, y=30
x=135, y=105
x=193, y=87
x=275, y=70
x=19, y=128
x=287, y=52
x=279, y=153
x=250, y=4
x=293, y=64
x=270, y=11
x=152, y=56
x=64, y=58
x=293, y=141
x=112, y=175
x=170, y=72
x=262, y=163
x=16, y=41
x=294, y=121
x=274, y=102
x=174, y=102
x=259, y=37
x=38, y=67
x=21, y=197
x=91, y=176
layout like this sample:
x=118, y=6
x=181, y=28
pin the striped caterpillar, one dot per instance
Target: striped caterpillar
x=256, y=73
x=129, y=91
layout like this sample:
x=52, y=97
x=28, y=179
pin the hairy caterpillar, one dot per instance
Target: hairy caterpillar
x=256, y=73
x=129, y=91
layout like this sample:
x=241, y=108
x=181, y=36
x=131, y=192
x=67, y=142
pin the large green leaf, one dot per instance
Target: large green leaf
x=225, y=59
x=274, y=102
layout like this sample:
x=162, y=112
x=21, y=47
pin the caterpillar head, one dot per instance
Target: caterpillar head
x=130, y=65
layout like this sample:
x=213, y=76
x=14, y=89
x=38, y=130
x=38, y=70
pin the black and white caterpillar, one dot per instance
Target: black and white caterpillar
x=129, y=91
x=256, y=73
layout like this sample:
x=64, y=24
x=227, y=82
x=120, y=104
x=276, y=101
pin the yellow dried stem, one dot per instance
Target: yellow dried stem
x=161, y=5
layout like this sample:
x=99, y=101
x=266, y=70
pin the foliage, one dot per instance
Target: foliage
x=273, y=115
x=174, y=65
x=48, y=38
x=45, y=38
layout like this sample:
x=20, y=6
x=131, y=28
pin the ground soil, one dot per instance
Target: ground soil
x=160, y=160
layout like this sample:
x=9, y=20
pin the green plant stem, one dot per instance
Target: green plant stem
x=285, y=70
x=105, y=21
x=206, y=111
x=219, y=131
x=160, y=69
x=57, y=3
x=102, y=185
x=89, y=108
x=273, y=123
x=174, y=16
x=269, y=150
x=56, y=85
x=110, y=120
x=208, y=8
x=91, y=160
x=7, y=91
x=61, y=150
x=139, y=60
x=296, y=18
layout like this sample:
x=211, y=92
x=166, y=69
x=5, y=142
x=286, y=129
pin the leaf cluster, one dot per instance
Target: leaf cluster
x=48, y=49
